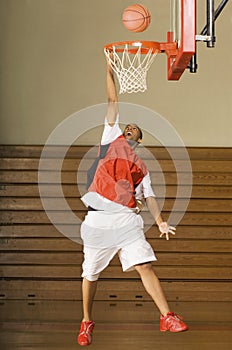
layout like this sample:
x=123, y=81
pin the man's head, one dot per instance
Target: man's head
x=133, y=133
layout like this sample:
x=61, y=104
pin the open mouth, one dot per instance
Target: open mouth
x=128, y=133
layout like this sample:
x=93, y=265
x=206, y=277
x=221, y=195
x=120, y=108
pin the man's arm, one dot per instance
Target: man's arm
x=112, y=110
x=155, y=212
x=154, y=209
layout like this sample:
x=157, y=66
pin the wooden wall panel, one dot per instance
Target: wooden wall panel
x=38, y=262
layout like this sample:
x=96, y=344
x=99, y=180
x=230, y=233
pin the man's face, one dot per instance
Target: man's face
x=132, y=133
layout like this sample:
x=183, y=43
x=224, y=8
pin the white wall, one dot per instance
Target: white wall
x=52, y=65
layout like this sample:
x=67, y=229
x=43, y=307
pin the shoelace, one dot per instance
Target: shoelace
x=177, y=317
x=87, y=329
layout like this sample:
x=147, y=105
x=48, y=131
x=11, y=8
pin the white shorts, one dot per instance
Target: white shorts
x=97, y=259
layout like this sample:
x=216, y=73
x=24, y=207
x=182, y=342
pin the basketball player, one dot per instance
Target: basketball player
x=118, y=184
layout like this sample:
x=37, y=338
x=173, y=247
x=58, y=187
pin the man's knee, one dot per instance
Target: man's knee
x=92, y=278
x=140, y=268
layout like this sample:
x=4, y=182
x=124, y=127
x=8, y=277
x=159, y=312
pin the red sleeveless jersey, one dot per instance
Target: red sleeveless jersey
x=118, y=173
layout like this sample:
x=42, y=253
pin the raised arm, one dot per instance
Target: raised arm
x=112, y=109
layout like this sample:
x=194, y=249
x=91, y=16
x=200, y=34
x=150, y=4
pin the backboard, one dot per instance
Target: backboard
x=183, y=33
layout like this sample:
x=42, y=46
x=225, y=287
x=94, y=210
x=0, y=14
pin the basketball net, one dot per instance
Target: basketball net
x=130, y=68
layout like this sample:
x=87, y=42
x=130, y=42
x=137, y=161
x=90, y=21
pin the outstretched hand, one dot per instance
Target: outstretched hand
x=165, y=229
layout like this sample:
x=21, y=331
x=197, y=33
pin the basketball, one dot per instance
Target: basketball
x=136, y=18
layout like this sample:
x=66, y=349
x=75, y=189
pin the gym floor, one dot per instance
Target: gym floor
x=46, y=325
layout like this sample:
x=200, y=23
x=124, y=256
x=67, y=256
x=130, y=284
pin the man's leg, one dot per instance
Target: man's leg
x=153, y=287
x=87, y=325
x=168, y=320
x=95, y=260
x=88, y=292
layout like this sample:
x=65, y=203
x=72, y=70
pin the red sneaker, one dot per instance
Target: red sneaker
x=172, y=323
x=85, y=334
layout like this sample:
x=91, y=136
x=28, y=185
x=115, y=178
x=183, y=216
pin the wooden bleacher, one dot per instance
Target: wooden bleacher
x=38, y=262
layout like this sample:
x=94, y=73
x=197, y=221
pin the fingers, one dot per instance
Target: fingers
x=161, y=235
x=172, y=230
x=166, y=235
x=165, y=229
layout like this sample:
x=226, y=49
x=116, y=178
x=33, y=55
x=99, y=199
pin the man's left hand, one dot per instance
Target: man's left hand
x=165, y=229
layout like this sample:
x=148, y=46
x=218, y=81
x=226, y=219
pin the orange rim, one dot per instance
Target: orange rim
x=146, y=46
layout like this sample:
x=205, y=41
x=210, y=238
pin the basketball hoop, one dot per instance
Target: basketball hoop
x=131, y=60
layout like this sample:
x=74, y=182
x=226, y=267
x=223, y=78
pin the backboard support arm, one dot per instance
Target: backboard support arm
x=209, y=29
